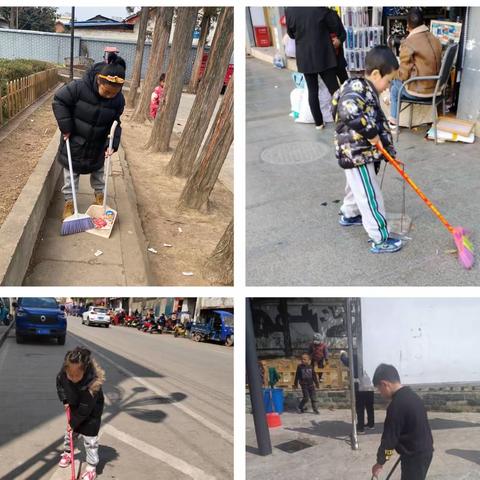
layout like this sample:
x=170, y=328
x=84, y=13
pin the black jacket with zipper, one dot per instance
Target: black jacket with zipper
x=85, y=398
x=81, y=111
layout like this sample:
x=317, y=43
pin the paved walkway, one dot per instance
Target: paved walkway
x=71, y=260
x=294, y=190
x=328, y=455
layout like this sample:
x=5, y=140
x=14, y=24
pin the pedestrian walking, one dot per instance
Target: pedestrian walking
x=312, y=27
x=85, y=111
x=307, y=378
x=79, y=387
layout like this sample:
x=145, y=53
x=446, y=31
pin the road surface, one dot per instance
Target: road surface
x=168, y=412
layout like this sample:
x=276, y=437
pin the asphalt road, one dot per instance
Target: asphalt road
x=168, y=414
x=294, y=188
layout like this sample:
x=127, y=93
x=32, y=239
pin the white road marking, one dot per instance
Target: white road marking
x=204, y=421
x=154, y=452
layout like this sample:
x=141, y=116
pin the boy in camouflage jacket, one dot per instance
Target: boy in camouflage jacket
x=360, y=124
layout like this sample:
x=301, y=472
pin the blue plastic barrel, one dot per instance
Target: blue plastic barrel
x=275, y=395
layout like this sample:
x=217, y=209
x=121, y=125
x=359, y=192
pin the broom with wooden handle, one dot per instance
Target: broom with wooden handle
x=460, y=235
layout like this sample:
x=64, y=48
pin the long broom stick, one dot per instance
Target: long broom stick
x=72, y=455
x=460, y=236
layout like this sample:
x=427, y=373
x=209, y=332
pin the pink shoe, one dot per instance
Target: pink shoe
x=65, y=460
x=89, y=475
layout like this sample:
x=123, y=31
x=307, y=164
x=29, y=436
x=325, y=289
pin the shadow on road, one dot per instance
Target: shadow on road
x=117, y=400
x=471, y=455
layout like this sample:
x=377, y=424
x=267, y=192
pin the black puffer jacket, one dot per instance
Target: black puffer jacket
x=82, y=112
x=85, y=398
x=359, y=117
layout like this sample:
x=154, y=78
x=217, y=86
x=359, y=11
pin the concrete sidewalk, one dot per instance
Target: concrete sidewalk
x=71, y=260
x=329, y=456
x=295, y=189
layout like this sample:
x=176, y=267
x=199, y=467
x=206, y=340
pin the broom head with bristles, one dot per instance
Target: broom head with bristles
x=464, y=247
x=76, y=223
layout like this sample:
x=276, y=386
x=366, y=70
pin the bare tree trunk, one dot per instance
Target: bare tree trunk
x=12, y=17
x=137, y=66
x=182, y=43
x=161, y=36
x=204, y=29
x=200, y=184
x=219, y=266
x=183, y=159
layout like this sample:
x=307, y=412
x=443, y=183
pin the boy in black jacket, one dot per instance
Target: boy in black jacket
x=361, y=124
x=306, y=376
x=406, y=427
x=85, y=110
x=79, y=386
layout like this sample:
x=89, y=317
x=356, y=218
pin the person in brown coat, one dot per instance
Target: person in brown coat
x=420, y=55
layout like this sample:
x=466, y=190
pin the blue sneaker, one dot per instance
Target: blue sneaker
x=349, y=221
x=390, y=245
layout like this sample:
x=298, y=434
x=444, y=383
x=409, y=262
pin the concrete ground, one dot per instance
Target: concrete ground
x=295, y=189
x=168, y=411
x=456, y=439
x=71, y=260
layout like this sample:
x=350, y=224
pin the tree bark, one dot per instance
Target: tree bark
x=161, y=36
x=204, y=29
x=219, y=266
x=183, y=159
x=199, y=186
x=182, y=43
x=137, y=66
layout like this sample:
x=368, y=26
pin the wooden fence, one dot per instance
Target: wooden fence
x=22, y=92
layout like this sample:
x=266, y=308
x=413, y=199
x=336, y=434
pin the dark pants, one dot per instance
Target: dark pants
x=364, y=401
x=330, y=79
x=342, y=75
x=415, y=467
x=308, y=392
x=320, y=364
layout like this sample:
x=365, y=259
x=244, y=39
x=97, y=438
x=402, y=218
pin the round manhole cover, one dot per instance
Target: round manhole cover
x=294, y=153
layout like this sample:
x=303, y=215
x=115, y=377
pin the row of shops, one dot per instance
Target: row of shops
x=366, y=27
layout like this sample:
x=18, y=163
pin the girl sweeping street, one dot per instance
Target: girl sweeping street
x=79, y=387
x=85, y=110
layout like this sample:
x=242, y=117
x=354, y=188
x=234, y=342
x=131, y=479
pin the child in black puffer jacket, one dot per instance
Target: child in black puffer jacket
x=85, y=110
x=361, y=124
x=79, y=386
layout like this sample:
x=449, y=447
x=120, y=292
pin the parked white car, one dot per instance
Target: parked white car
x=96, y=316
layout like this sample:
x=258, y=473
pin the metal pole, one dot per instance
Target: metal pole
x=72, y=41
x=255, y=387
x=350, y=365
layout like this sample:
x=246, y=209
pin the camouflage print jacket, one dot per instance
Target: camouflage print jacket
x=359, y=116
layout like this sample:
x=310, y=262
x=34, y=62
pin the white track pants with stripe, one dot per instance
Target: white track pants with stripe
x=364, y=197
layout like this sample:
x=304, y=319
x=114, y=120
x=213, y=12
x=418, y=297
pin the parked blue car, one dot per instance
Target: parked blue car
x=216, y=326
x=40, y=317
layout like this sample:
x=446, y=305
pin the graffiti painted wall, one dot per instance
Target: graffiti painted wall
x=285, y=327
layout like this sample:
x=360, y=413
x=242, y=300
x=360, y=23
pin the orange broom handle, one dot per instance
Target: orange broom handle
x=429, y=204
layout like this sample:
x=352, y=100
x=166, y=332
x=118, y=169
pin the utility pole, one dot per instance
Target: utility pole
x=72, y=41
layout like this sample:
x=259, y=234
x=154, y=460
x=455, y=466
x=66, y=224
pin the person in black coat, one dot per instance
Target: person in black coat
x=85, y=111
x=338, y=39
x=307, y=378
x=312, y=27
x=406, y=428
x=79, y=388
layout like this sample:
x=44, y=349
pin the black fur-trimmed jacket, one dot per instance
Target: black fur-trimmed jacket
x=359, y=117
x=85, y=398
x=87, y=116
